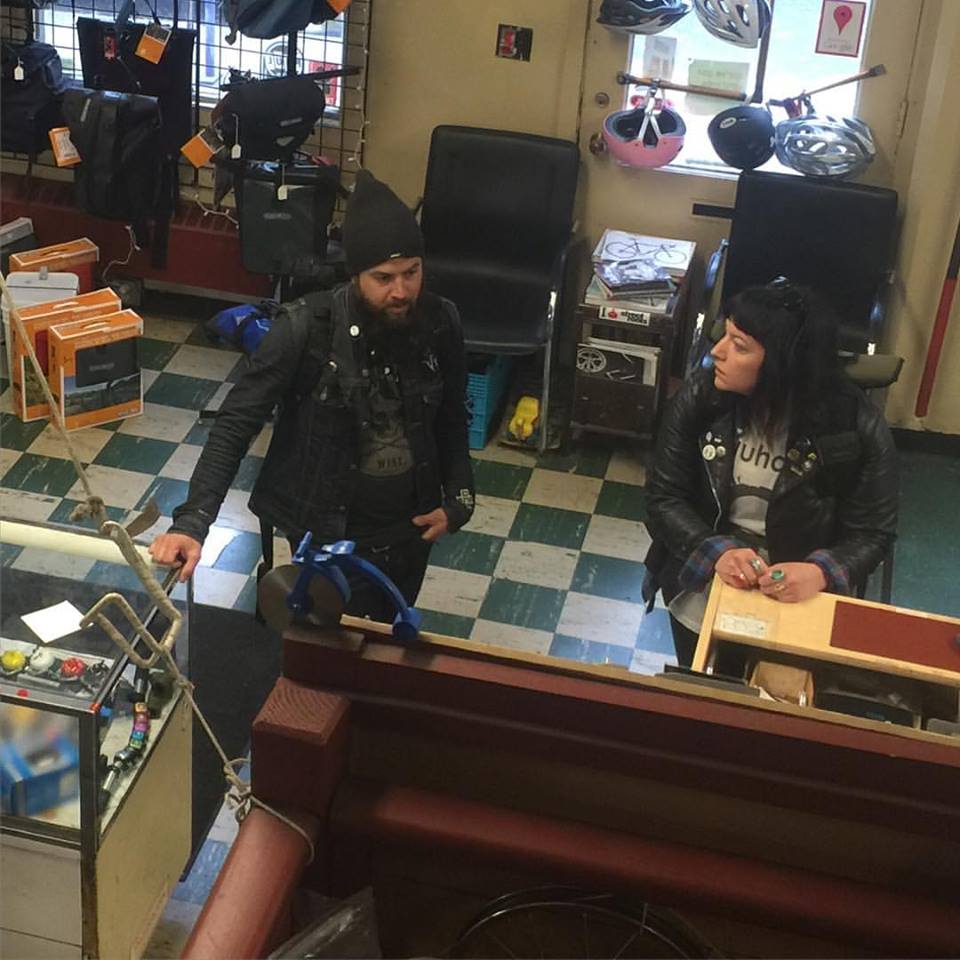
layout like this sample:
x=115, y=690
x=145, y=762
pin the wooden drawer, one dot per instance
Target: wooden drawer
x=619, y=407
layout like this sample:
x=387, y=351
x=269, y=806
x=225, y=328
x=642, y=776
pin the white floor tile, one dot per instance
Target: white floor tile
x=259, y=446
x=511, y=637
x=216, y=401
x=612, y=537
x=596, y=618
x=494, y=516
x=149, y=377
x=7, y=459
x=119, y=488
x=650, y=662
x=503, y=454
x=161, y=328
x=218, y=539
x=65, y=565
x=203, y=362
x=181, y=463
x=453, y=591
x=160, y=422
x=23, y=505
x=537, y=563
x=563, y=491
x=218, y=588
x=6, y=401
x=281, y=551
x=87, y=443
x=235, y=513
x=626, y=467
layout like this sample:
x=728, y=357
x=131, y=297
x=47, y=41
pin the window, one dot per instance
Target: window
x=688, y=54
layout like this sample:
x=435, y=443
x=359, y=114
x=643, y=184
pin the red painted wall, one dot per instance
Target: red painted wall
x=204, y=251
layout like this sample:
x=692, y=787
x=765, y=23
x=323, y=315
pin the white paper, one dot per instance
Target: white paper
x=54, y=622
x=841, y=27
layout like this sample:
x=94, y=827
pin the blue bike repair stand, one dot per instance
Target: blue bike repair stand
x=334, y=561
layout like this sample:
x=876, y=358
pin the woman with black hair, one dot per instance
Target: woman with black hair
x=772, y=470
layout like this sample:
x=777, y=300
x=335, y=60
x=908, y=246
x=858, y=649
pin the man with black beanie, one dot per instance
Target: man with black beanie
x=370, y=440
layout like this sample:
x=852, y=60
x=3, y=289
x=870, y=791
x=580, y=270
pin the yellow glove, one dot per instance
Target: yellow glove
x=525, y=417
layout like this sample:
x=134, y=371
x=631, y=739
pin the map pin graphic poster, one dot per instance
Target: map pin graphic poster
x=842, y=15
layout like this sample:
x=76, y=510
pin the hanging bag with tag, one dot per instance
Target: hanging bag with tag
x=31, y=88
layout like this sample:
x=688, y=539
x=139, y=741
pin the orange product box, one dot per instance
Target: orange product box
x=76, y=256
x=95, y=369
x=37, y=319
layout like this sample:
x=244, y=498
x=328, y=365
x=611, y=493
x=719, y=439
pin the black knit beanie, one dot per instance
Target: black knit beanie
x=377, y=226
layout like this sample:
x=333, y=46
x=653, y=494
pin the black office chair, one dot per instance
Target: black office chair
x=836, y=237
x=497, y=221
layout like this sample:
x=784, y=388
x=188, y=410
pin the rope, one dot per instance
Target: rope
x=239, y=795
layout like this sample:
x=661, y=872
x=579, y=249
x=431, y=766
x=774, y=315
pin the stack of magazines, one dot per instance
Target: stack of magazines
x=638, y=268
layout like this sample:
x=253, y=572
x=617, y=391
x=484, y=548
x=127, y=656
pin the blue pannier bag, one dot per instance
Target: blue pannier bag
x=244, y=326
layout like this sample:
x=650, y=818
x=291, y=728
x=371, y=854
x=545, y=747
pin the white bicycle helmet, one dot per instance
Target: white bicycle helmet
x=742, y=22
x=822, y=146
x=641, y=16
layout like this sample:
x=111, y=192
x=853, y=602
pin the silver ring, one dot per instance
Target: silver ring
x=756, y=564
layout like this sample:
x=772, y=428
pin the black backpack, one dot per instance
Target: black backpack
x=266, y=19
x=118, y=138
x=31, y=106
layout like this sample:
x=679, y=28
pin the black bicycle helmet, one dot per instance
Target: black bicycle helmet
x=743, y=136
x=641, y=16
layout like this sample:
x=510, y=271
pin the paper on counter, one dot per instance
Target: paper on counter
x=52, y=623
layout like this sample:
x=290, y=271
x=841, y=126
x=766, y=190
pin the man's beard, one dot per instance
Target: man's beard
x=387, y=319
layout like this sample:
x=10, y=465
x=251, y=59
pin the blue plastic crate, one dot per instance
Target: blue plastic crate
x=485, y=391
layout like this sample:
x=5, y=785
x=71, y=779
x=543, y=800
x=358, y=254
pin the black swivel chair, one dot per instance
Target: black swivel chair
x=497, y=221
x=836, y=237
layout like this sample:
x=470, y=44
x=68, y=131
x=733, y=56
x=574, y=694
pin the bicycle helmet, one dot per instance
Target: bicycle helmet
x=742, y=136
x=742, y=22
x=641, y=16
x=635, y=144
x=822, y=146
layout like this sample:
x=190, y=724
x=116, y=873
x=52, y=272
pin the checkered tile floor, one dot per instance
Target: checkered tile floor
x=550, y=563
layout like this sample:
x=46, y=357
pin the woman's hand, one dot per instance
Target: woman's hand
x=741, y=568
x=792, y=582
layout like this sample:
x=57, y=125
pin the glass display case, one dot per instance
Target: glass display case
x=94, y=749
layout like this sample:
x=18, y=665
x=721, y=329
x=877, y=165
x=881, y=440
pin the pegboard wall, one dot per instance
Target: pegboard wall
x=341, y=42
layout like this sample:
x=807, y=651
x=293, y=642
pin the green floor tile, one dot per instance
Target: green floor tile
x=115, y=575
x=590, y=459
x=188, y=393
x=66, y=507
x=241, y=554
x=167, y=493
x=622, y=500
x=17, y=435
x=47, y=475
x=558, y=528
x=199, y=432
x=655, y=634
x=523, y=605
x=472, y=552
x=504, y=480
x=9, y=553
x=247, y=474
x=156, y=354
x=608, y=577
x=140, y=454
x=247, y=600
x=446, y=624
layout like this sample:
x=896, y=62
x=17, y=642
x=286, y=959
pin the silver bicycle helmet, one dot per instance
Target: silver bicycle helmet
x=822, y=146
x=641, y=16
x=742, y=22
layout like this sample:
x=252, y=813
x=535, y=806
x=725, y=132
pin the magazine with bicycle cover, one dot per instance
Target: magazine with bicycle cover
x=620, y=246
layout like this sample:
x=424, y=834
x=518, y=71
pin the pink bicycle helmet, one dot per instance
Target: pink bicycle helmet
x=637, y=144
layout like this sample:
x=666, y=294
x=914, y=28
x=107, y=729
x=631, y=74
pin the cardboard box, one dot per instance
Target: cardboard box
x=77, y=256
x=37, y=774
x=95, y=369
x=28, y=288
x=38, y=318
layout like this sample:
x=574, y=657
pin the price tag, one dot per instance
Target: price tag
x=64, y=151
x=235, y=152
x=153, y=43
x=199, y=149
x=18, y=71
x=282, y=192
